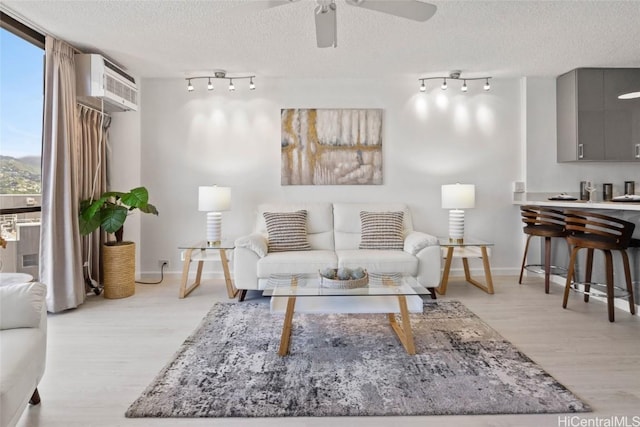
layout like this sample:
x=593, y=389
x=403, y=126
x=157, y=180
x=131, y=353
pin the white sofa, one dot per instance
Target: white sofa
x=23, y=346
x=334, y=232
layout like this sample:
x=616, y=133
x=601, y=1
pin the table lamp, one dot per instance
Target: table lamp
x=457, y=197
x=213, y=200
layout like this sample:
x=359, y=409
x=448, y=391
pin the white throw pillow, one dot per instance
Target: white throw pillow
x=417, y=241
x=21, y=305
x=255, y=242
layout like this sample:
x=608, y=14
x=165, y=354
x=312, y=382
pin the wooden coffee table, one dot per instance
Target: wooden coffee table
x=386, y=294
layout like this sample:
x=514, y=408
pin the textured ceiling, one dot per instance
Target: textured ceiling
x=501, y=38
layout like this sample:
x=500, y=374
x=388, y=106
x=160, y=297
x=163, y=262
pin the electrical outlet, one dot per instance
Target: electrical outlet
x=164, y=262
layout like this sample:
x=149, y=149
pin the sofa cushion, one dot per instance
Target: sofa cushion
x=379, y=261
x=297, y=262
x=21, y=305
x=319, y=221
x=287, y=231
x=381, y=230
x=347, y=221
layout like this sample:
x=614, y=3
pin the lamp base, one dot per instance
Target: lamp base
x=214, y=228
x=456, y=225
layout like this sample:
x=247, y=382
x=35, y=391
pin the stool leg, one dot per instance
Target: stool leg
x=627, y=276
x=524, y=258
x=587, y=277
x=547, y=263
x=567, y=287
x=609, y=269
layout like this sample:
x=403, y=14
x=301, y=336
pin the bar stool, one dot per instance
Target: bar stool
x=542, y=222
x=588, y=230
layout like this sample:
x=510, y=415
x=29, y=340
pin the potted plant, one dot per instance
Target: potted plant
x=110, y=212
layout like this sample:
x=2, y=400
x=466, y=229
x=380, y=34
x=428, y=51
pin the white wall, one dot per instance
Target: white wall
x=544, y=174
x=123, y=161
x=233, y=139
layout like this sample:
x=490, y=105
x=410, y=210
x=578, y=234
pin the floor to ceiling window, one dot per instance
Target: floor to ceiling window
x=21, y=107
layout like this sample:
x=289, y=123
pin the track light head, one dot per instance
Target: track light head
x=189, y=86
x=464, y=86
x=231, y=86
x=252, y=86
x=209, y=85
x=487, y=86
x=444, y=84
x=423, y=88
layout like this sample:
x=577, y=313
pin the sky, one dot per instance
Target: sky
x=21, y=96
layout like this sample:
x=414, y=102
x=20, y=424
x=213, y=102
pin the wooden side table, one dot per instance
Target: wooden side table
x=202, y=252
x=470, y=248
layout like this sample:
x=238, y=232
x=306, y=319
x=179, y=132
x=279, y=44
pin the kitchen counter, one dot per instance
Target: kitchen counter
x=542, y=199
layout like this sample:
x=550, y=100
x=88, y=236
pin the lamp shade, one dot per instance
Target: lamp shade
x=214, y=198
x=458, y=196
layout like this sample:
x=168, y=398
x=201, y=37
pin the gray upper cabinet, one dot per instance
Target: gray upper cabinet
x=592, y=123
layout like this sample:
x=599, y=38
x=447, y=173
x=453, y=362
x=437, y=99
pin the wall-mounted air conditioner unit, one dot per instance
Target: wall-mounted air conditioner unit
x=98, y=79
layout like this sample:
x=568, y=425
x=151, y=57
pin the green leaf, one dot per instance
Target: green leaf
x=113, y=217
x=149, y=208
x=88, y=225
x=136, y=197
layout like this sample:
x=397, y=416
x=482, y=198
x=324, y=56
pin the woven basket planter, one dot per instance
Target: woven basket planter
x=119, y=264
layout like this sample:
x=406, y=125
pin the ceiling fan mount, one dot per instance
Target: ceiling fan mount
x=326, y=14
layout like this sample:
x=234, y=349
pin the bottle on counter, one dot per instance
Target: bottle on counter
x=630, y=188
x=607, y=192
x=584, y=194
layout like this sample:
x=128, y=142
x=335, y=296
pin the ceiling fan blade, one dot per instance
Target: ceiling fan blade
x=410, y=9
x=326, y=26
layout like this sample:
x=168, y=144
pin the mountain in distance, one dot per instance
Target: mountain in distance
x=20, y=175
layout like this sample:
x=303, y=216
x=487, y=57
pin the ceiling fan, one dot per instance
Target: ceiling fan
x=325, y=14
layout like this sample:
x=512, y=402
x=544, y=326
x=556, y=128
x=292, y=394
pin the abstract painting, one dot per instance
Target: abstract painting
x=331, y=146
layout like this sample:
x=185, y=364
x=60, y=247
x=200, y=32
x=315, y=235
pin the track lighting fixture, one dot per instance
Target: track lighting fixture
x=454, y=75
x=220, y=74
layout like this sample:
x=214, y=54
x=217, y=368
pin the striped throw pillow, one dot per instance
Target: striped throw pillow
x=287, y=231
x=381, y=230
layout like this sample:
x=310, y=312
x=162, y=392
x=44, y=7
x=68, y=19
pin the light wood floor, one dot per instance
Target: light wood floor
x=102, y=355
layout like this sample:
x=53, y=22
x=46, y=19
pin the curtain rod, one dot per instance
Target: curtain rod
x=93, y=109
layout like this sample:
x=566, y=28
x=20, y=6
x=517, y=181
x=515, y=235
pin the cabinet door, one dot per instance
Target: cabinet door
x=622, y=116
x=591, y=117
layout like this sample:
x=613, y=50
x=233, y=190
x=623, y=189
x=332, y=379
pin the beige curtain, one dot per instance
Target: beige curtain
x=93, y=131
x=60, y=249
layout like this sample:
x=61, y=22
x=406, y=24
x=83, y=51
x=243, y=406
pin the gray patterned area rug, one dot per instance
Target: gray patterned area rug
x=349, y=365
